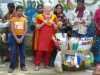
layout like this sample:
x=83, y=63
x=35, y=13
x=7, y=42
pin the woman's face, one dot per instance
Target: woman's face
x=47, y=10
x=40, y=9
x=59, y=9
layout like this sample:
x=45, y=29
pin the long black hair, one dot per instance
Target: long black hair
x=55, y=9
x=40, y=6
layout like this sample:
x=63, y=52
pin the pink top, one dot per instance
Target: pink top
x=97, y=21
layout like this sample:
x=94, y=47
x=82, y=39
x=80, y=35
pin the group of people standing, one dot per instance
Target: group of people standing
x=48, y=22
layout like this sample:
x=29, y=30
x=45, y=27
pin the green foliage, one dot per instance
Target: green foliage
x=64, y=5
x=73, y=68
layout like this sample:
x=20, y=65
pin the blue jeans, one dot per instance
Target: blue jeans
x=14, y=47
x=75, y=33
x=96, y=50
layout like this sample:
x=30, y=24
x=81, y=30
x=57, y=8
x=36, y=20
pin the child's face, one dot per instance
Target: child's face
x=19, y=12
x=11, y=9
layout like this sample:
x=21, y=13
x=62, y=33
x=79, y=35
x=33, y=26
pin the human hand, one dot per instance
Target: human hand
x=21, y=39
x=54, y=25
x=45, y=21
x=60, y=24
x=18, y=41
x=83, y=22
x=76, y=23
x=38, y=26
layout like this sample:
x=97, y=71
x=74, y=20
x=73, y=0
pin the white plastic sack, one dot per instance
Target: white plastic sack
x=4, y=25
x=58, y=62
x=3, y=37
x=62, y=37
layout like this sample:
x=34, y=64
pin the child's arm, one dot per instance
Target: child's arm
x=26, y=29
x=13, y=32
x=56, y=23
x=57, y=42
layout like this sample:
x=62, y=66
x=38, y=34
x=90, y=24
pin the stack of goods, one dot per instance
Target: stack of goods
x=74, y=52
x=79, y=55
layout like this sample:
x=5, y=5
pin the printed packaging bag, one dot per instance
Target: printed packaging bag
x=74, y=43
x=85, y=43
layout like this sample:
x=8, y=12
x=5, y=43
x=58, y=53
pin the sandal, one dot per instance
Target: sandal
x=37, y=68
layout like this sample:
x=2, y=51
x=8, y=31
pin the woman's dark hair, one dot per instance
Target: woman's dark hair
x=55, y=9
x=11, y=5
x=80, y=9
x=80, y=1
x=19, y=7
x=40, y=5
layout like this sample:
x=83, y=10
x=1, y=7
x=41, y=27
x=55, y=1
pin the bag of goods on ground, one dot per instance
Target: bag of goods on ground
x=58, y=62
x=85, y=43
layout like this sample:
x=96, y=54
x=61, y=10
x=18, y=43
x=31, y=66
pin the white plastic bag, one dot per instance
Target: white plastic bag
x=76, y=61
x=3, y=37
x=58, y=62
x=4, y=25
